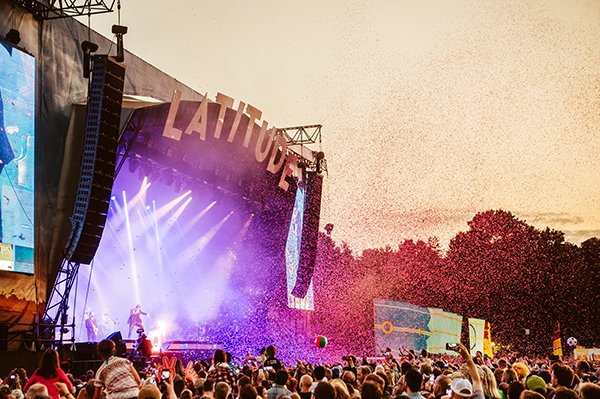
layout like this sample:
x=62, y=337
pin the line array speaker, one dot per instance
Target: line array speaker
x=105, y=98
x=310, y=234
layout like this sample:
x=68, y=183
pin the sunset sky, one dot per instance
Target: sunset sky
x=431, y=110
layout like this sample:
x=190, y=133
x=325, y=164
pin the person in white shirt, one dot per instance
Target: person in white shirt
x=116, y=376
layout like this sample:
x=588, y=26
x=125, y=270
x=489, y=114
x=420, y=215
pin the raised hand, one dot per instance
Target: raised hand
x=190, y=373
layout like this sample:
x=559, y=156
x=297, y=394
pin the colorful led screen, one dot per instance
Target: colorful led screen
x=17, y=159
x=292, y=254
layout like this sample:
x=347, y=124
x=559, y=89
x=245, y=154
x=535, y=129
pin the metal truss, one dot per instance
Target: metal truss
x=55, y=9
x=55, y=314
x=131, y=131
x=309, y=134
x=298, y=138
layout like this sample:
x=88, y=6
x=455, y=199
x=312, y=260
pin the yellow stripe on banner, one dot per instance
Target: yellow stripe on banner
x=557, y=347
x=557, y=344
x=401, y=308
x=418, y=331
x=445, y=316
x=406, y=329
x=439, y=313
x=412, y=330
x=446, y=333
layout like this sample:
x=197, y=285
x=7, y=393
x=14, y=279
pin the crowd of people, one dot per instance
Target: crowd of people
x=407, y=376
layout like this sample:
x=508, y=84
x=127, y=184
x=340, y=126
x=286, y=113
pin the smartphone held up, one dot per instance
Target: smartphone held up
x=452, y=347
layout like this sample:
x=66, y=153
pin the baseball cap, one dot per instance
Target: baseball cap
x=149, y=392
x=462, y=387
x=536, y=383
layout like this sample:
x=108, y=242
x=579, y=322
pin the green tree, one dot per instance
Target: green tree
x=496, y=267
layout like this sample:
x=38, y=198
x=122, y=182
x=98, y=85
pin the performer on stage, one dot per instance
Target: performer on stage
x=91, y=327
x=135, y=318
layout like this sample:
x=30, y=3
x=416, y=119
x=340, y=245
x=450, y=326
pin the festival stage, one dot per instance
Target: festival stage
x=201, y=235
x=212, y=219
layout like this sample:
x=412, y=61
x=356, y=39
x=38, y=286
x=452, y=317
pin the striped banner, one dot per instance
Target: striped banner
x=556, y=341
x=487, y=340
x=415, y=327
x=476, y=334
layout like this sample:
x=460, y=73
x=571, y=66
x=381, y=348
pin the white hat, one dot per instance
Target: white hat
x=462, y=387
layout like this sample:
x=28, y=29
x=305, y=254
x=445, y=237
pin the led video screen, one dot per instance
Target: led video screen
x=17, y=159
x=292, y=254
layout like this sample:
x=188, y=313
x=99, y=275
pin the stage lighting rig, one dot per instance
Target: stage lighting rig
x=134, y=163
x=119, y=31
x=13, y=37
x=298, y=138
x=88, y=49
x=307, y=134
x=320, y=162
x=55, y=9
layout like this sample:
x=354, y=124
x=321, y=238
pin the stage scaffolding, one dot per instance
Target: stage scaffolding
x=55, y=9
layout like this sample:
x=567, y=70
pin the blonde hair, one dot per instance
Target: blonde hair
x=488, y=382
x=341, y=390
x=521, y=369
x=391, y=377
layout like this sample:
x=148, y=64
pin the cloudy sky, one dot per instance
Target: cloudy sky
x=431, y=110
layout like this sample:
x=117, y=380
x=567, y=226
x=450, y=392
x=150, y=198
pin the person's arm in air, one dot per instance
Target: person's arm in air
x=30, y=382
x=170, y=389
x=62, y=377
x=63, y=390
x=136, y=376
x=464, y=353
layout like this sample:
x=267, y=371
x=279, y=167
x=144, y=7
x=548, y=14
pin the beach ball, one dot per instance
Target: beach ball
x=321, y=341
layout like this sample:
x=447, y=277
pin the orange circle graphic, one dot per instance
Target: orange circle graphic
x=387, y=327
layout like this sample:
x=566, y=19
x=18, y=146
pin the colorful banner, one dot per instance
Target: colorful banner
x=400, y=324
x=591, y=354
x=556, y=342
x=292, y=254
x=17, y=160
x=476, y=335
x=487, y=340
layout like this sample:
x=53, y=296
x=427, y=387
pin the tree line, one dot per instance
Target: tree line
x=521, y=279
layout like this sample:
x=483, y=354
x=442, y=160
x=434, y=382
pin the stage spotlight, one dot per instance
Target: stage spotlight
x=302, y=166
x=168, y=177
x=13, y=36
x=254, y=207
x=88, y=49
x=144, y=170
x=119, y=31
x=178, y=185
x=154, y=175
x=134, y=163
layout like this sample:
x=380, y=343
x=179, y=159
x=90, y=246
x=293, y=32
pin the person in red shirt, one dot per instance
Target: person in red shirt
x=48, y=373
